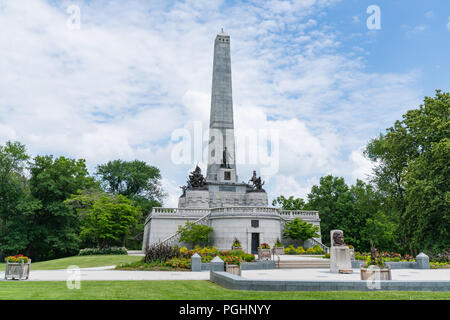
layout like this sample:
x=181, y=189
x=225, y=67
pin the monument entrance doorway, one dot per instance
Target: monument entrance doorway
x=255, y=243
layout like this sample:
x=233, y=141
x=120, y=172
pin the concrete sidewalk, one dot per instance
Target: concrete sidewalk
x=88, y=274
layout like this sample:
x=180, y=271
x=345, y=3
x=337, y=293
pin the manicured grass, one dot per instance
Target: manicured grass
x=81, y=261
x=180, y=289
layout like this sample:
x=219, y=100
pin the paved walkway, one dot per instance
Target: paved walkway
x=104, y=274
x=326, y=275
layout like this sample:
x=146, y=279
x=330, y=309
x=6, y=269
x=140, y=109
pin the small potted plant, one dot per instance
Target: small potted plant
x=375, y=268
x=278, y=248
x=236, y=244
x=264, y=252
x=17, y=267
x=233, y=265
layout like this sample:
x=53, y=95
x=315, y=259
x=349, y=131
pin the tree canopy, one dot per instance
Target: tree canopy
x=37, y=219
x=298, y=229
x=413, y=168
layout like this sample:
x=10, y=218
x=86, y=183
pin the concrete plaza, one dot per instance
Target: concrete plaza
x=326, y=275
x=312, y=274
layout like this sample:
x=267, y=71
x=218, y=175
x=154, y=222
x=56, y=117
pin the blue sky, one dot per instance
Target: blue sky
x=136, y=71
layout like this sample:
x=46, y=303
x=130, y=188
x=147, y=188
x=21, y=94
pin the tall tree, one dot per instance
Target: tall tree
x=137, y=181
x=413, y=170
x=334, y=201
x=55, y=230
x=105, y=219
x=16, y=205
x=131, y=179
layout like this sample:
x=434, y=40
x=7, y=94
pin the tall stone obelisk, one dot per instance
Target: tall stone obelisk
x=221, y=150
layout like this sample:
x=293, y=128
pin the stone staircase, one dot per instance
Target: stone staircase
x=303, y=264
x=173, y=239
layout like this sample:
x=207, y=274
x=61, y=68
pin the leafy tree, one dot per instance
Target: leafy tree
x=55, y=231
x=371, y=222
x=412, y=172
x=289, y=203
x=195, y=234
x=137, y=181
x=16, y=205
x=335, y=203
x=105, y=219
x=131, y=179
x=298, y=229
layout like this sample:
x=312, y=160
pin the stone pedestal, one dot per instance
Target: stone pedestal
x=422, y=261
x=340, y=260
x=256, y=199
x=217, y=264
x=196, y=263
x=194, y=199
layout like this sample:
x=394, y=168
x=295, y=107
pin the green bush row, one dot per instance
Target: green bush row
x=300, y=250
x=97, y=251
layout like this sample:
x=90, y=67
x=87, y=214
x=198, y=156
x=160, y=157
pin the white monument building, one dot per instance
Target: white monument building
x=233, y=209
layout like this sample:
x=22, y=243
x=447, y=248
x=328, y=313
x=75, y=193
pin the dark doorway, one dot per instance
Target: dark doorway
x=255, y=243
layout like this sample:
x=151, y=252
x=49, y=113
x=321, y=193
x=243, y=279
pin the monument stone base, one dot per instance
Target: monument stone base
x=340, y=260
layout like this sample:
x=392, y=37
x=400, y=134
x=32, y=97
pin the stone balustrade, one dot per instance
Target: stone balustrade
x=292, y=214
x=180, y=211
x=199, y=212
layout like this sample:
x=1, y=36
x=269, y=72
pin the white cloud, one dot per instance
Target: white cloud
x=448, y=24
x=362, y=167
x=136, y=71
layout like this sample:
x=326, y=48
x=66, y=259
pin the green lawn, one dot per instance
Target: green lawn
x=180, y=289
x=81, y=261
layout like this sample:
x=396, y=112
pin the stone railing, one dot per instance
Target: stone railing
x=174, y=239
x=324, y=247
x=292, y=214
x=178, y=212
x=243, y=210
x=181, y=211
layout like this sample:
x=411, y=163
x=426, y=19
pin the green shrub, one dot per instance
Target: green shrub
x=300, y=250
x=97, y=251
x=310, y=251
x=278, y=243
x=317, y=249
x=237, y=253
x=161, y=252
x=326, y=256
x=248, y=257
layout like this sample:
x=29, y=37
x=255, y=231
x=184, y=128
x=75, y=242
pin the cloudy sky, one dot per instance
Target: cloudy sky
x=117, y=80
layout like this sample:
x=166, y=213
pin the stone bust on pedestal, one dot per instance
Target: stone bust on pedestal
x=340, y=259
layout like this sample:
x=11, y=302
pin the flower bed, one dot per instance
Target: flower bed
x=387, y=256
x=300, y=250
x=208, y=254
x=182, y=263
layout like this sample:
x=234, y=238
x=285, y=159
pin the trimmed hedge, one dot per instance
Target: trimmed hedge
x=97, y=251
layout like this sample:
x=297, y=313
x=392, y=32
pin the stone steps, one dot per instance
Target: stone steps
x=300, y=264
